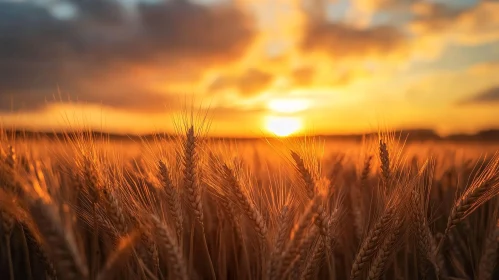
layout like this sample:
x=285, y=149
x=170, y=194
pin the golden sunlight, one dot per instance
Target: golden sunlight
x=283, y=126
x=288, y=105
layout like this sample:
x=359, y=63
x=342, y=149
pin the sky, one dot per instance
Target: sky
x=256, y=66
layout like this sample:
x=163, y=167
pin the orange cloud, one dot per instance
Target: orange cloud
x=489, y=96
x=303, y=76
x=239, y=55
x=94, y=57
x=471, y=26
x=249, y=83
x=341, y=41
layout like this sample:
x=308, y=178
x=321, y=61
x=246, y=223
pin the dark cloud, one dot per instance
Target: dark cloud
x=341, y=40
x=134, y=100
x=435, y=16
x=104, y=43
x=254, y=82
x=475, y=23
x=251, y=82
x=488, y=96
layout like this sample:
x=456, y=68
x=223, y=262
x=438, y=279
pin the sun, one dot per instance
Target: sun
x=283, y=126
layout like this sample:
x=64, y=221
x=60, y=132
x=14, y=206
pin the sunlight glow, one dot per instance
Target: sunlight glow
x=283, y=126
x=288, y=105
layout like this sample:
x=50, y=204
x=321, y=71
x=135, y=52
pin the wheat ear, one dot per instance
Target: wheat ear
x=483, y=188
x=488, y=260
x=425, y=242
x=149, y=251
x=8, y=221
x=119, y=256
x=284, y=226
x=191, y=187
x=172, y=197
x=290, y=254
x=306, y=176
x=365, y=171
x=60, y=244
x=387, y=248
x=303, y=249
x=385, y=161
x=40, y=253
x=371, y=243
x=314, y=261
x=322, y=219
x=171, y=248
x=115, y=211
x=247, y=205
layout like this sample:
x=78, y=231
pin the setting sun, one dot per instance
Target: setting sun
x=283, y=126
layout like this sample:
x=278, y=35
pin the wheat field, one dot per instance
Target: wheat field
x=83, y=206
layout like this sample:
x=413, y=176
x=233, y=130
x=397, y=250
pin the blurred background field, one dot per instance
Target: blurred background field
x=88, y=206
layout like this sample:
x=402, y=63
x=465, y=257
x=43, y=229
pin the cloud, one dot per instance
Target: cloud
x=378, y=5
x=231, y=112
x=484, y=68
x=97, y=53
x=470, y=25
x=131, y=100
x=413, y=29
x=489, y=96
x=363, y=12
x=142, y=57
x=342, y=41
x=303, y=76
x=250, y=83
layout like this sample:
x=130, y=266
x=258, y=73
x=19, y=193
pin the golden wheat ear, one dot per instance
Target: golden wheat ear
x=488, y=259
x=386, y=249
x=40, y=253
x=120, y=256
x=291, y=252
x=250, y=210
x=59, y=243
x=483, y=187
x=173, y=198
x=375, y=237
x=167, y=243
x=191, y=185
